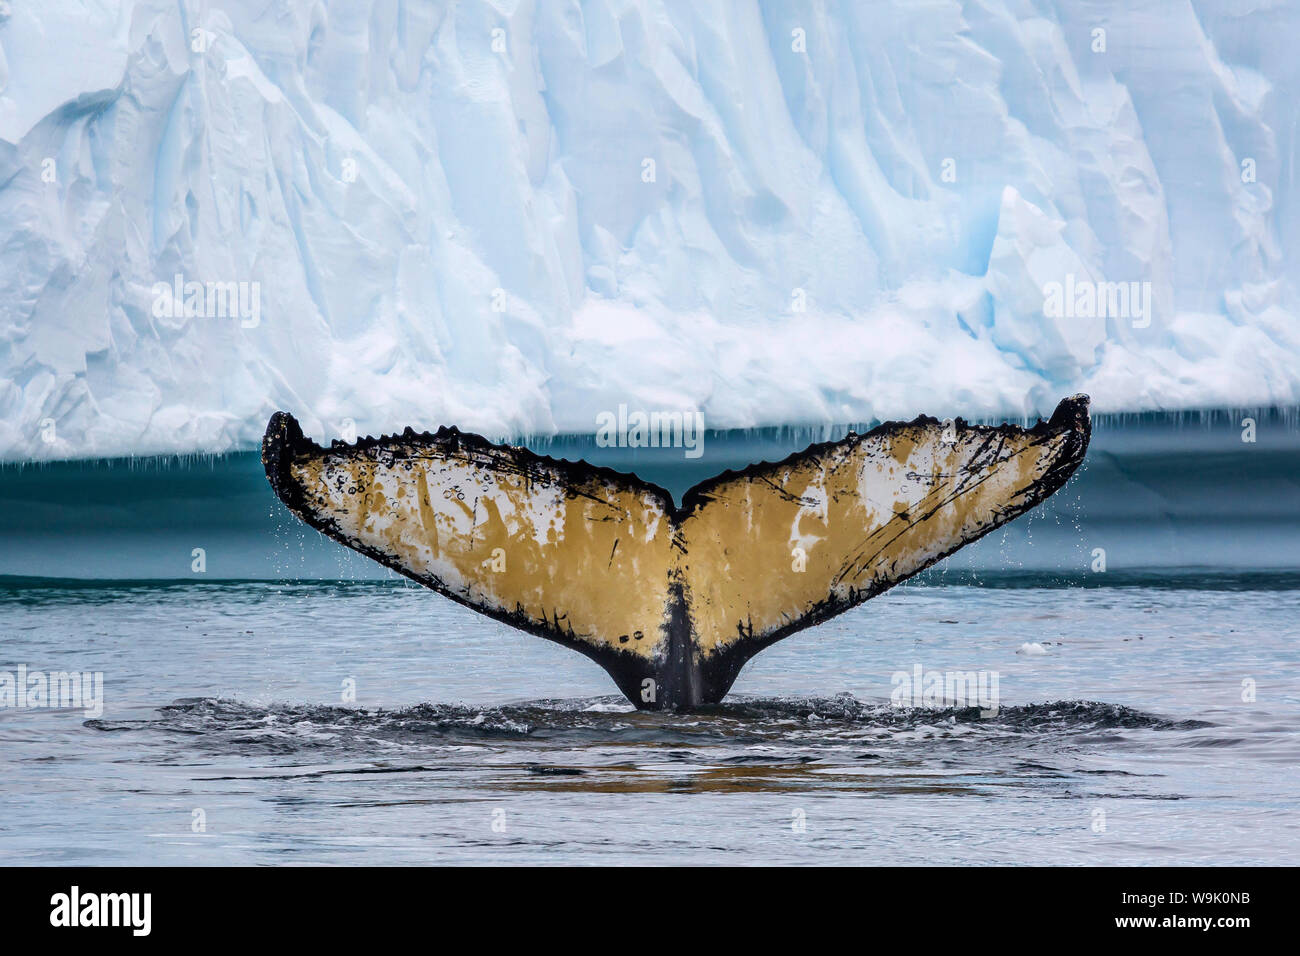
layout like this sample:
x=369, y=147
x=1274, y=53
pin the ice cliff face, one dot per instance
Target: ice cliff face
x=513, y=216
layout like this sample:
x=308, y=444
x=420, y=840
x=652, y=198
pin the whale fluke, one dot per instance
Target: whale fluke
x=671, y=601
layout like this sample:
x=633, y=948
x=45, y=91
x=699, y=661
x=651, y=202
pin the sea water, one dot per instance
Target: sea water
x=289, y=704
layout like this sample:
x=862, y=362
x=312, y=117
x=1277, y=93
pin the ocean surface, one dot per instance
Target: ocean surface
x=313, y=713
x=1127, y=741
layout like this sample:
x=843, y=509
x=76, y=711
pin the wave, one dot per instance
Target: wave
x=282, y=728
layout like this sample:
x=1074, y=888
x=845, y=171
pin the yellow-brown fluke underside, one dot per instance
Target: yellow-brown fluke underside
x=671, y=601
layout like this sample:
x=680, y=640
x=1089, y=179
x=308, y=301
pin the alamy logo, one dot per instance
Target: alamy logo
x=931, y=688
x=209, y=300
x=57, y=689
x=75, y=908
x=1086, y=299
x=639, y=429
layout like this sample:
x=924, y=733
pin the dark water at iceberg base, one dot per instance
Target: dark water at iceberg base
x=1154, y=716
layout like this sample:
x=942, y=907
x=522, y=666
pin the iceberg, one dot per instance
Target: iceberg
x=516, y=216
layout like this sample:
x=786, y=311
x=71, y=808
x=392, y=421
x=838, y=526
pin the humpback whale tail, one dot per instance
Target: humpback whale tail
x=671, y=601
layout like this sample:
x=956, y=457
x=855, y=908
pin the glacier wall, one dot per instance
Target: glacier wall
x=514, y=215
